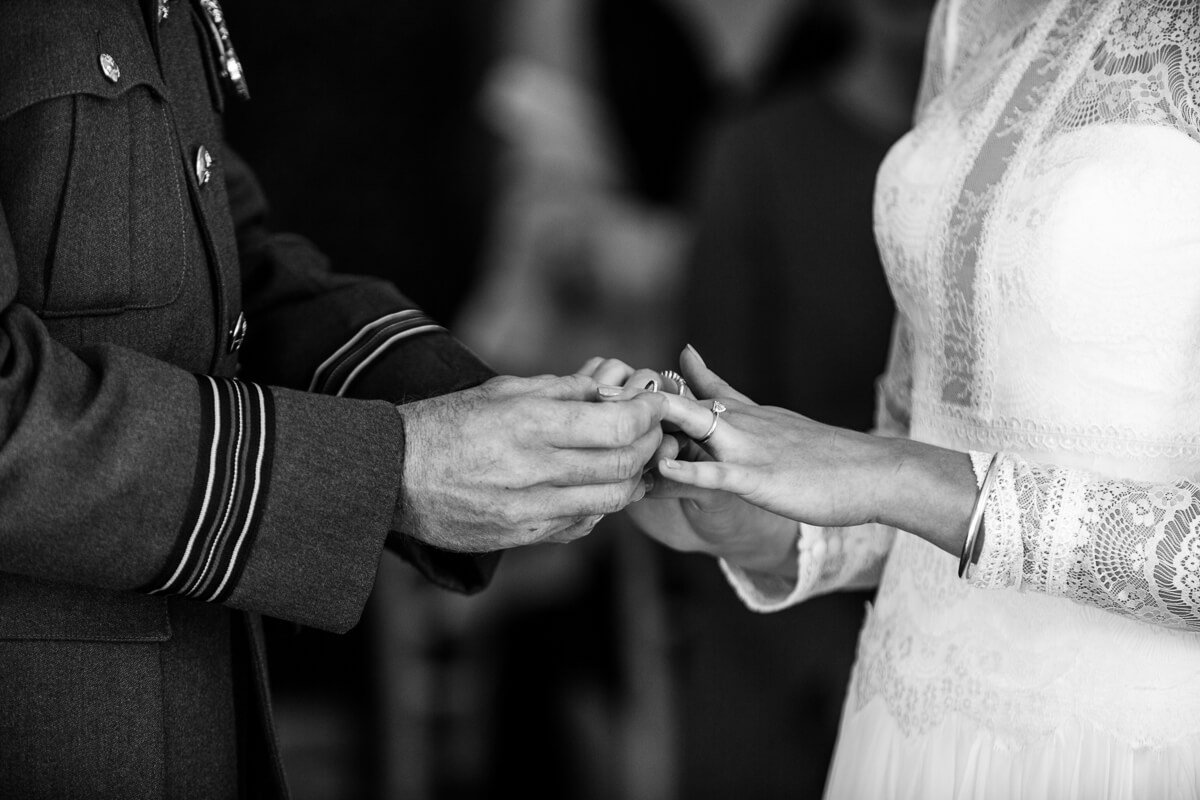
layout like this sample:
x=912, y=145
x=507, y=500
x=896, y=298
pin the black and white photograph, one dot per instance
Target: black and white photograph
x=600, y=400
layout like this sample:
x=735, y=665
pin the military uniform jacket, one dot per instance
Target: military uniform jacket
x=179, y=450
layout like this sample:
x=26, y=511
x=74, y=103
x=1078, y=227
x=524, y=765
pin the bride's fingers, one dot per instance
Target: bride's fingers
x=732, y=478
x=663, y=488
x=695, y=419
x=706, y=382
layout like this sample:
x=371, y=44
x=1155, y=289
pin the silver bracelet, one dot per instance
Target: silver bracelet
x=964, y=560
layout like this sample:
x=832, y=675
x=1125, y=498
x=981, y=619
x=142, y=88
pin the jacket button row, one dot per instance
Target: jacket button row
x=204, y=162
x=108, y=65
x=237, y=334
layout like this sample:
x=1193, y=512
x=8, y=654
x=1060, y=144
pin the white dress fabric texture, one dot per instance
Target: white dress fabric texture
x=1040, y=228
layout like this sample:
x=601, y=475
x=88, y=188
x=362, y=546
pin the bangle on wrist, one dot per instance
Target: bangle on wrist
x=967, y=559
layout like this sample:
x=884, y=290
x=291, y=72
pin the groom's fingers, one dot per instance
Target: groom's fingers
x=590, y=366
x=574, y=528
x=612, y=372
x=588, y=501
x=599, y=425
x=671, y=446
x=644, y=380
x=581, y=467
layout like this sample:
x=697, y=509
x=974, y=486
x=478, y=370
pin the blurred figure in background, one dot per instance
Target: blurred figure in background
x=783, y=246
x=579, y=674
x=603, y=108
x=615, y=116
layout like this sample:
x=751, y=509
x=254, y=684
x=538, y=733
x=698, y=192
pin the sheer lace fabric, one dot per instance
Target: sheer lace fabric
x=1129, y=547
x=1040, y=228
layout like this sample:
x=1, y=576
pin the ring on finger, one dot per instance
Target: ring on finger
x=718, y=408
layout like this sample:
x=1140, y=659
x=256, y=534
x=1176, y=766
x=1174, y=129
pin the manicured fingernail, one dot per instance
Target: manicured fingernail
x=669, y=463
x=609, y=391
x=652, y=386
x=696, y=353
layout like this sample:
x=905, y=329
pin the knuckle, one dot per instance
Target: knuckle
x=524, y=418
x=502, y=384
x=616, y=364
x=722, y=476
x=626, y=426
x=616, y=497
x=580, y=383
x=511, y=515
x=577, y=471
x=626, y=463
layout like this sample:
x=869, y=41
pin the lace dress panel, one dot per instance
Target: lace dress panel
x=1040, y=229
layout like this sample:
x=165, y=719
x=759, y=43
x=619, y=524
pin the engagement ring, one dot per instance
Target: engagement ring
x=718, y=408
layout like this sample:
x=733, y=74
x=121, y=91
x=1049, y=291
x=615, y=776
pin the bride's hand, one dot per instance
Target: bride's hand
x=777, y=459
x=795, y=467
x=693, y=519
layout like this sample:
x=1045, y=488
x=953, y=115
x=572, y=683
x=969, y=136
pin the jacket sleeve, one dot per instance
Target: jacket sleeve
x=120, y=471
x=315, y=330
x=832, y=559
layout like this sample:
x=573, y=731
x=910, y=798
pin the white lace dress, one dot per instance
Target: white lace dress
x=1040, y=228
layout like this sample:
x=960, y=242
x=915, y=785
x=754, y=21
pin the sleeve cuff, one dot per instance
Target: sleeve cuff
x=292, y=497
x=431, y=365
x=336, y=374
x=769, y=593
x=1001, y=557
x=465, y=573
x=233, y=471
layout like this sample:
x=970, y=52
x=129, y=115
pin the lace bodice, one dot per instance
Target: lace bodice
x=1040, y=228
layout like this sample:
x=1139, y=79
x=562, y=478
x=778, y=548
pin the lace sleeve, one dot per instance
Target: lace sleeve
x=1132, y=548
x=829, y=559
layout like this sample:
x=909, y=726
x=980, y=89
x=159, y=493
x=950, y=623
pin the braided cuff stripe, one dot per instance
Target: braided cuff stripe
x=233, y=472
x=337, y=372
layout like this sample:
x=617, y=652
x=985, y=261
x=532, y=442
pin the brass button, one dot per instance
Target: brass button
x=204, y=162
x=237, y=334
x=108, y=65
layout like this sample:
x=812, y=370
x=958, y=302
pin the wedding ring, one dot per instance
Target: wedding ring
x=672, y=375
x=718, y=408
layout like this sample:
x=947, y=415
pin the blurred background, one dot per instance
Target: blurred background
x=557, y=179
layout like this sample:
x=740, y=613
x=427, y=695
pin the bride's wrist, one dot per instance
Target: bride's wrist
x=927, y=491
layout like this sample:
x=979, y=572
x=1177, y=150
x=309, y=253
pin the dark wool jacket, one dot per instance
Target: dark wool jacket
x=178, y=450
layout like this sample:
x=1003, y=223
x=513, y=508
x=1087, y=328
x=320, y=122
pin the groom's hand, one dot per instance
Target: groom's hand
x=522, y=460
